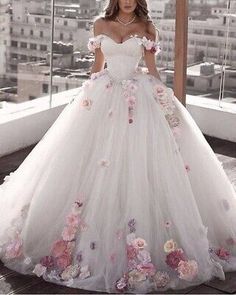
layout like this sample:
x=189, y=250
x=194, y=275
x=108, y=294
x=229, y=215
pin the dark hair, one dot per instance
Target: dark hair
x=112, y=8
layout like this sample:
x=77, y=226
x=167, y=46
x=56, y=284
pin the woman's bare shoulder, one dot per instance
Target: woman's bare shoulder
x=152, y=30
x=99, y=25
x=147, y=29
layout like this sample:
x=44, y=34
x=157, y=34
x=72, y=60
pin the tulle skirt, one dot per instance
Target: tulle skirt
x=122, y=194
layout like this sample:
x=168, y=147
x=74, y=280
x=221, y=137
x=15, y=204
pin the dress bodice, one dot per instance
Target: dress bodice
x=122, y=59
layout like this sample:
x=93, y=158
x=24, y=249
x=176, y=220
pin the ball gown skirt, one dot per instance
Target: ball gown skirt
x=123, y=193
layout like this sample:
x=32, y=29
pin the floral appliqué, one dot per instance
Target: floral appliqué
x=60, y=261
x=141, y=268
x=164, y=96
x=94, y=43
x=130, y=88
x=150, y=45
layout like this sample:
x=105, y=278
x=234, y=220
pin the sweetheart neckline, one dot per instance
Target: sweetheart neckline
x=130, y=38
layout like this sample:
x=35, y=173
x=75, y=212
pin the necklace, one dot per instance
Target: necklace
x=128, y=23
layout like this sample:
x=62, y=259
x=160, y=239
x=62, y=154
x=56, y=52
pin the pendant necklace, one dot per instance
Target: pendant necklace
x=128, y=23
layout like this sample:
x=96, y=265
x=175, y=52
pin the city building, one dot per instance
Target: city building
x=30, y=30
x=5, y=18
x=70, y=70
x=206, y=40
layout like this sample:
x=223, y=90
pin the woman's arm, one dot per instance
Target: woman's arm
x=99, y=60
x=149, y=57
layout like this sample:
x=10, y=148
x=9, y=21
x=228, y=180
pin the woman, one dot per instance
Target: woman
x=123, y=194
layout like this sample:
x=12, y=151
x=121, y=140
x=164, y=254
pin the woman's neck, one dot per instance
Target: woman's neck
x=125, y=17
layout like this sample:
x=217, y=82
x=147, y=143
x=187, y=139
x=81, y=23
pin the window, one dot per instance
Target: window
x=232, y=34
x=33, y=58
x=208, y=32
x=38, y=20
x=197, y=31
x=14, y=43
x=22, y=31
x=23, y=57
x=47, y=21
x=212, y=44
x=81, y=25
x=220, y=34
x=41, y=34
x=14, y=55
x=33, y=46
x=65, y=22
x=45, y=88
x=201, y=43
x=61, y=36
x=31, y=32
x=23, y=45
x=210, y=83
x=55, y=89
x=190, y=82
x=43, y=47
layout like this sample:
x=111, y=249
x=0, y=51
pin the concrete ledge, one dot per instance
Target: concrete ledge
x=213, y=120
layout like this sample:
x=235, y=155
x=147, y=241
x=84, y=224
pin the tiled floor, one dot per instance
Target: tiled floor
x=14, y=283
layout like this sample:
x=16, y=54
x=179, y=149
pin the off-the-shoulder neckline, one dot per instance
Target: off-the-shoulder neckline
x=130, y=37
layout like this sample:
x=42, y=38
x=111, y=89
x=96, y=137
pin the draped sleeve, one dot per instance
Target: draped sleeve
x=94, y=43
x=150, y=45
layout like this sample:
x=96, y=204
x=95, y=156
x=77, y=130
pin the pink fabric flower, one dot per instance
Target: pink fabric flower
x=39, y=270
x=139, y=243
x=94, y=43
x=14, y=249
x=170, y=246
x=47, y=261
x=161, y=279
x=131, y=252
x=147, y=268
x=131, y=100
x=59, y=248
x=68, y=233
x=70, y=272
x=159, y=90
x=187, y=270
x=109, y=85
x=187, y=167
x=122, y=284
x=104, y=163
x=144, y=256
x=87, y=103
x=173, y=258
x=72, y=220
x=222, y=253
x=63, y=261
x=84, y=272
x=70, y=247
x=132, y=264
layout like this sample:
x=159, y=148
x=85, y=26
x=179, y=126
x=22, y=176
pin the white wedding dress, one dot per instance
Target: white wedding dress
x=123, y=193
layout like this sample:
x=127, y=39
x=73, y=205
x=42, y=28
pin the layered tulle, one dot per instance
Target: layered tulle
x=123, y=193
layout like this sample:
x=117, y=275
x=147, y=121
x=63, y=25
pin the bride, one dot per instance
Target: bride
x=123, y=193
